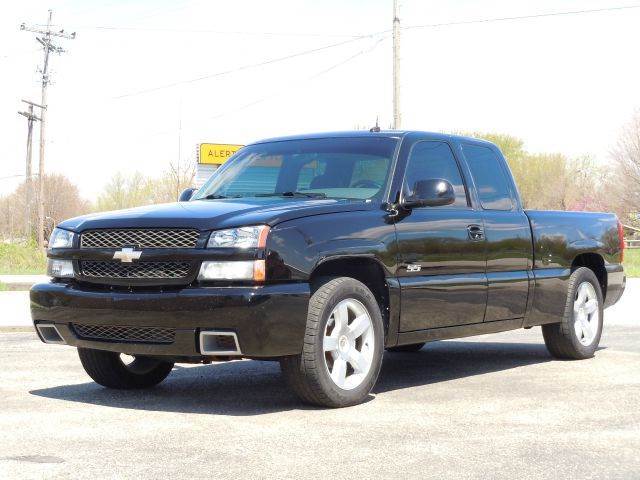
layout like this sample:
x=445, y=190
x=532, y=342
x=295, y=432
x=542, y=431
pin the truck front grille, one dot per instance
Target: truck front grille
x=140, y=270
x=140, y=238
x=116, y=333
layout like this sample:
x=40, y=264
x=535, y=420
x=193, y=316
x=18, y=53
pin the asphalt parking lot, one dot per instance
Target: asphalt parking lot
x=486, y=407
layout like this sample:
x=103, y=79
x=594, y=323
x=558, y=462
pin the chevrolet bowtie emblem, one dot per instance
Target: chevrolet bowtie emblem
x=127, y=255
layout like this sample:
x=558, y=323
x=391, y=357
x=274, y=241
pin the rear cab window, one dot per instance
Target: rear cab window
x=490, y=178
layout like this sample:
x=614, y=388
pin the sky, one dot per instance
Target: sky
x=145, y=81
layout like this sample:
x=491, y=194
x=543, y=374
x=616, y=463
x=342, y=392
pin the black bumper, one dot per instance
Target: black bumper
x=269, y=321
x=616, y=284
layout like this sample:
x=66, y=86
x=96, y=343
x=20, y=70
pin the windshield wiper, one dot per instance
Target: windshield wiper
x=293, y=194
x=212, y=196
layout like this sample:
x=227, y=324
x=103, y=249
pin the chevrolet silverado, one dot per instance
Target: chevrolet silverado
x=321, y=252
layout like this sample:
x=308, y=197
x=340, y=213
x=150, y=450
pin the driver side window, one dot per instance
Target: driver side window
x=429, y=159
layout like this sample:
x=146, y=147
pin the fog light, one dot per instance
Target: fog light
x=59, y=268
x=244, y=270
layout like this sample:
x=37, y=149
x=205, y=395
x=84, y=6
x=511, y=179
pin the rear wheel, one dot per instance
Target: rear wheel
x=111, y=370
x=578, y=335
x=343, y=346
x=414, y=347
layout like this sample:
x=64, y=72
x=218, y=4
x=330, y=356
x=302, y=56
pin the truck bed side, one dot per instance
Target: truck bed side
x=563, y=241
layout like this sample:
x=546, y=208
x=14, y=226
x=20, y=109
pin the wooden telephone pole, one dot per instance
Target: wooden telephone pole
x=396, y=67
x=31, y=117
x=44, y=38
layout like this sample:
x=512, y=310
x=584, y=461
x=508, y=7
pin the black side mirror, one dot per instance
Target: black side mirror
x=186, y=195
x=434, y=192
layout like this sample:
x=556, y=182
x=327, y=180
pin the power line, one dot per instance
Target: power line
x=248, y=66
x=308, y=79
x=522, y=17
x=214, y=32
x=14, y=176
x=337, y=35
x=279, y=92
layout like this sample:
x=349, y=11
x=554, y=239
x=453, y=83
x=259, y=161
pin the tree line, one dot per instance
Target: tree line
x=547, y=181
x=554, y=181
x=62, y=198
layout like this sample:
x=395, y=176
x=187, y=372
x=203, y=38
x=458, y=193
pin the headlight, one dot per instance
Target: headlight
x=242, y=270
x=61, y=238
x=243, y=237
x=59, y=268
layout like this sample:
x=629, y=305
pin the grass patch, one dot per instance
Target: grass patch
x=17, y=259
x=632, y=262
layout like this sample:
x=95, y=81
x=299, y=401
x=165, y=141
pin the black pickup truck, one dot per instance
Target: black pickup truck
x=321, y=252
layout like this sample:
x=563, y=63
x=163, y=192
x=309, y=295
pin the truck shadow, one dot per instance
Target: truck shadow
x=253, y=388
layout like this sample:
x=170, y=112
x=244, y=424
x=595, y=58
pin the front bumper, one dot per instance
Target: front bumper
x=269, y=320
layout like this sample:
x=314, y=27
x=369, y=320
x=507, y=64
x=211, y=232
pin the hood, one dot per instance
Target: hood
x=214, y=214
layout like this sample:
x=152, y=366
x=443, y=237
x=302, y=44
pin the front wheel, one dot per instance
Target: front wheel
x=343, y=346
x=578, y=334
x=111, y=371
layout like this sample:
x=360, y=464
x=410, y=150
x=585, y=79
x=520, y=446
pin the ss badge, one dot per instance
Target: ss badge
x=414, y=268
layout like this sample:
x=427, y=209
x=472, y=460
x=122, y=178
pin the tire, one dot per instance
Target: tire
x=414, y=347
x=577, y=336
x=108, y=369
x=329, y=378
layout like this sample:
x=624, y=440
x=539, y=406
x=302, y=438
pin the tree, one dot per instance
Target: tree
x=61, y=201
x=135, y=190
x=626, y=159
x=173, y=181
x=550, y=181
x=125, y=192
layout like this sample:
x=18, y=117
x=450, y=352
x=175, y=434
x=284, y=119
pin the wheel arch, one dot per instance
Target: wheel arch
x=365, y=269
x=594, y=262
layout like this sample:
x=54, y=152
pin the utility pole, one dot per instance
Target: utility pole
x=31, y=117
x=396, y=67
x=44, y=39
x=179, y=150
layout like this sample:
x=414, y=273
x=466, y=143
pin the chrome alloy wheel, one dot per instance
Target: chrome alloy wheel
x=348, y=344
x=586, y=314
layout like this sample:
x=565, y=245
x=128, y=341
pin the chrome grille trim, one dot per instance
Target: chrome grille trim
x=140, y=238
x=115, y=270
x=124, y=333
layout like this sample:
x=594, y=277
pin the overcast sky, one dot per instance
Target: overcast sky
x=130, y=78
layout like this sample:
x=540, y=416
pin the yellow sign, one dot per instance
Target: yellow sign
x=216, y=153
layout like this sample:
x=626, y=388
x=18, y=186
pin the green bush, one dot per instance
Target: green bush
x=17, y=259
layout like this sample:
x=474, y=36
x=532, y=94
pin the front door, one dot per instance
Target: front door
x=441, y=249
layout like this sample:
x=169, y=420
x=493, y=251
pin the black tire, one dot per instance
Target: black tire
x=414, y=347
x=108, y=369
x=308, y=373
x=561, y=339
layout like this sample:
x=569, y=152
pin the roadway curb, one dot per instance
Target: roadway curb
x=20, y=283
x=24, y=329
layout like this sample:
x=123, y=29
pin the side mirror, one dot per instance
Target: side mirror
x=186, y=195
x=434, y=192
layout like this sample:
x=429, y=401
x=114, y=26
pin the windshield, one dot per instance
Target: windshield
x=351, y=168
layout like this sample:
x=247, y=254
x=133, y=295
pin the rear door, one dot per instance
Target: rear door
x=507, y=233
x=441, y=261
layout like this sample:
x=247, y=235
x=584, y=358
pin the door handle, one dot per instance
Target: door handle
x=475, y=232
